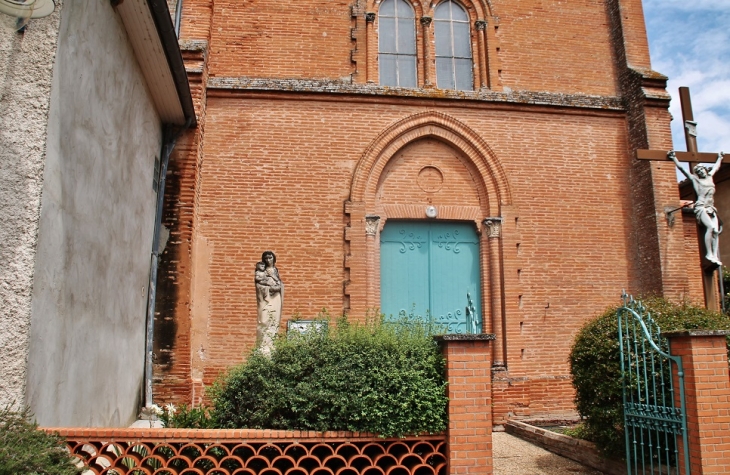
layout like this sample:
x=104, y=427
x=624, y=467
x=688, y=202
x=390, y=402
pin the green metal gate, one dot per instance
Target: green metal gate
x=430, y=269
x=653, y=421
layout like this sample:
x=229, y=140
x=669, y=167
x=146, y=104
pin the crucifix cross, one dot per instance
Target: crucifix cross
x=705, y=212
x=690, y=137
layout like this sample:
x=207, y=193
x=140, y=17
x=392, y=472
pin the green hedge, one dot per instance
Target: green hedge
x=26, y=450
x=596, y=367
x=381, y=378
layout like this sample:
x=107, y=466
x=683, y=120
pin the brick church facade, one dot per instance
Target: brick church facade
x=321, y=124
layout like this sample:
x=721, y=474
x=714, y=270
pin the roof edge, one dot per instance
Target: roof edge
x=168, y=38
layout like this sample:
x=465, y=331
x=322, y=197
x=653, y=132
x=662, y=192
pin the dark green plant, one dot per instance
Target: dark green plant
x=596, y=367
x=373, y=377
x=27, y=450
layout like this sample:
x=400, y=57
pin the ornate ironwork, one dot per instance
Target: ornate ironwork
x=654, y=417
x=410, y=241
x=473, y=320
x=449, y=241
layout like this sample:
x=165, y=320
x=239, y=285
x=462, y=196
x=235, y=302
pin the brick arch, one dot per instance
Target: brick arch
x=374, y=6
x=478, y=9
x=482, y=8
x=492, y=183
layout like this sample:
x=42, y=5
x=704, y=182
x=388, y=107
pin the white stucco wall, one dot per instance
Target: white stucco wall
x=26, y=66
x=86, y=356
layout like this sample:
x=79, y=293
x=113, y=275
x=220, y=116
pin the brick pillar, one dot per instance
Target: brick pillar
x=468, y=371
x=707, y=396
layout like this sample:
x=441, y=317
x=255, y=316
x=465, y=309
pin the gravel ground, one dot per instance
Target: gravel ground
x=514, y=456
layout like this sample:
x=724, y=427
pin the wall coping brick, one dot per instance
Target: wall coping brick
x=345, y=87
x=173, y=434
x=471, y=337
x=680, y=333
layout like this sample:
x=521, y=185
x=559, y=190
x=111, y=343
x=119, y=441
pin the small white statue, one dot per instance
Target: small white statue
x=269, y=299
x=705, y=210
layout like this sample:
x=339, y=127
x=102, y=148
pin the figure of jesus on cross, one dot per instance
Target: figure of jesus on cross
x=704, y=207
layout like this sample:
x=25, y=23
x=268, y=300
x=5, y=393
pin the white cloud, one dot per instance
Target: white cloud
x=684, y=5
x=690, y=43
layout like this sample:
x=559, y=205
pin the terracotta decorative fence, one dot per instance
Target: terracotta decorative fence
x=252, y=452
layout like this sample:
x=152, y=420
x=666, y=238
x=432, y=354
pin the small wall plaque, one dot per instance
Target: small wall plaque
x=304, y=326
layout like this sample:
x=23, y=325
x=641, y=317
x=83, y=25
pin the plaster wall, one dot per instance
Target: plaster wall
x=26, y=66
x=86, y=356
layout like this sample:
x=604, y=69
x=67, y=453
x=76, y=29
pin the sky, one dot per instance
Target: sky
x=689, y=41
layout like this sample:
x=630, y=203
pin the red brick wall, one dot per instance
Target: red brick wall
x=276, y=165
x=469, y=432
x=527, y=43
x=707, y=396
x=539, y=38
x=277, y=172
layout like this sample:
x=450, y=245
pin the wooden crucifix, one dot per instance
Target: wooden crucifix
x=705, y=211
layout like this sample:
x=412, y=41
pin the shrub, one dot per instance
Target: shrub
x=27, y=450
x=596, y=366
x=189, y=417
x=373, y=377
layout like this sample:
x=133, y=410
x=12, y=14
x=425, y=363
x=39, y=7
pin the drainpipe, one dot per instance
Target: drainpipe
x=178, y=17
x=167, y=148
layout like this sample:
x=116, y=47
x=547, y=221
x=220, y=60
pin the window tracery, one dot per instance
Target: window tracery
x=397, y=44
x=444, y=44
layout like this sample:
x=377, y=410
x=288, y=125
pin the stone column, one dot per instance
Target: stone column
x=469, y=374
x=372, y=224
x=480, y=57
x=425, y=23
x=493, y=231
x=707, y=396
x=371, y=47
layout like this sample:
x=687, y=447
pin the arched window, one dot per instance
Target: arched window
x=453, y=47
x=397, y=44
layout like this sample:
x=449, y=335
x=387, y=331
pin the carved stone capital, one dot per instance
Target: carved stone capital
x=425, y=21
x=480, y=25
x=370, y=17
x=493, y=227
x=371, y=225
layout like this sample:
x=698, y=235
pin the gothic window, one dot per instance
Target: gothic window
x=453, y=47
x=397, y=44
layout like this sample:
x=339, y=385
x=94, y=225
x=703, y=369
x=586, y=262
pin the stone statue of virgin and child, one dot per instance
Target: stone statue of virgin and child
x=269, y=299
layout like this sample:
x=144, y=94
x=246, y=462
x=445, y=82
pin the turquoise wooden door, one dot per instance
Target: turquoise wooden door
x=431, y=269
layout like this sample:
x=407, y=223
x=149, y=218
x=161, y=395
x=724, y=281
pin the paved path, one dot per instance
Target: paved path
x=514, y=456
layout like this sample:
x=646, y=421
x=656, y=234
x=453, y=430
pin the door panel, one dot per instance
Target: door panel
x=431, y=269
x=404, y=269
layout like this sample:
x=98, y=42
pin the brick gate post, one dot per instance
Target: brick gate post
x=468, y=372
x=707, y=396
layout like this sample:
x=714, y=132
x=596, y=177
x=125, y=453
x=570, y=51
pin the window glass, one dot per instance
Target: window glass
x=388, y=68
x=407, y=70
x=387, y=35
x=445, y=73
x=462, y=40
x=397, y=44
x=443, y=38
x=387, y=8
x=454, y=68
x=406, y=42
